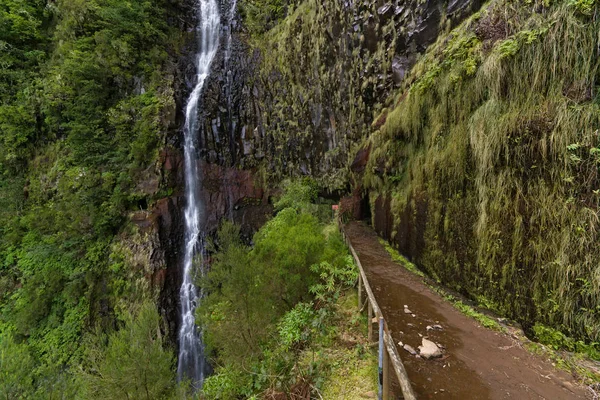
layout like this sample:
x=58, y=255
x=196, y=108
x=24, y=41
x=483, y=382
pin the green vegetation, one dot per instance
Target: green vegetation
x=298, y=194
x=15, y=368
x=350, y=361
x=400, y=259
x=261, y=15
x=86, y=98
x=319, y=95
x=489, y=156
x=574, y=363
x=131, y=363
x=558, y=341
x=489, y=159
x=271, y=316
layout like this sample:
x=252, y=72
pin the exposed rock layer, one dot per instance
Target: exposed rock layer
x=294, y=102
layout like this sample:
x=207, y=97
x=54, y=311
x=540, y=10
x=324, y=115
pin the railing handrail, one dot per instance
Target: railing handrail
x=407, y=390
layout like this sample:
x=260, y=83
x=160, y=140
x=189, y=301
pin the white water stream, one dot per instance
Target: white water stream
x=191, y=363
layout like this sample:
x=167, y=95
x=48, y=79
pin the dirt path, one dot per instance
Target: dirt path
x=478, y=363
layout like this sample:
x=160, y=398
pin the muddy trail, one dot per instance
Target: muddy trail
x=478, y=363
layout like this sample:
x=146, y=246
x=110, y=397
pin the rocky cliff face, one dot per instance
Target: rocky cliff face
x=299, y=99
x=465, y=170
x=483, y=170
x=453, y=188
x=295, y=101
x=152, y=244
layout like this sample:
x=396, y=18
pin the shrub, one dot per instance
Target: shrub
x=15, y=369
x=131, y=363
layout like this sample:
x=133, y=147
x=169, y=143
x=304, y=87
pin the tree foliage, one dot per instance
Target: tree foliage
x=86, y=99
x=132, y=364
x=265, y=303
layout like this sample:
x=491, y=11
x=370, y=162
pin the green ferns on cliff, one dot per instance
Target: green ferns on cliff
x=261, y=15
x=85, y=98
x=489, y=161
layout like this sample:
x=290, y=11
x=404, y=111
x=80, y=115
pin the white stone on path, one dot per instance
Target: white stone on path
x=429, y=349
x=410, y=349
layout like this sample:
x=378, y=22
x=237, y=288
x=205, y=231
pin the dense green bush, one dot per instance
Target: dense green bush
x=249, y=289
x=131, y=363
x=85, y=99
x=298, y=194
x=267, y=302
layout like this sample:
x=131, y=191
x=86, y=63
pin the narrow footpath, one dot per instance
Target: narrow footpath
x=478, y=363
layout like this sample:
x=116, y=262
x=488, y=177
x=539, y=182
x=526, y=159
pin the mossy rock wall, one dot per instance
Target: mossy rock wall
x=485, y=171
x=297, y=97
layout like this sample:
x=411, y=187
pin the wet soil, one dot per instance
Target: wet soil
x=478, y=363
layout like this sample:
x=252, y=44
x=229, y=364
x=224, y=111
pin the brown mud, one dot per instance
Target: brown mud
x=478, y=363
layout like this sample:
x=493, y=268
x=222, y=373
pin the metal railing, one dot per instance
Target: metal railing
x=388, y=353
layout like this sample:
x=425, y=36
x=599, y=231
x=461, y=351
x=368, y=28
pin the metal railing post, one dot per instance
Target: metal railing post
x=381, y=351
x=370, y=323
x=359, y=292
x=386, y=375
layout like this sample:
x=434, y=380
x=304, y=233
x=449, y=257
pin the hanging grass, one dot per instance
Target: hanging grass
x=490, y=156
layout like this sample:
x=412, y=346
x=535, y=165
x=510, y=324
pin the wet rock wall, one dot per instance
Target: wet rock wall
x=297, y=100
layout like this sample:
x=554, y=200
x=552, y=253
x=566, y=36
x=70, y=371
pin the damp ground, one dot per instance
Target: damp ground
x=478, y=363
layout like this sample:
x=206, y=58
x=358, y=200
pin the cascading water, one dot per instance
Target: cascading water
x=191, y=364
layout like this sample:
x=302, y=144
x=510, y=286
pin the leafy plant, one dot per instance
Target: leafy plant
x=333, y=279
x=298, y=194
x=259, y=311
x=584, y=7
x=296, y=326
x=133, y=363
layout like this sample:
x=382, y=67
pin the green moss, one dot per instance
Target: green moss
x=483, y=319
x=482, y=142
x=559, y=341
x=400, y=259
x=260, y=16
x=318, y=99
x=575, y=364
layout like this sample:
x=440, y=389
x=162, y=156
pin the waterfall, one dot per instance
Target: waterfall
x=191, y=363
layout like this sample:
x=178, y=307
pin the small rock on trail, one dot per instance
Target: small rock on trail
x=434, y=327
x=429, y=350
x=410, y=349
